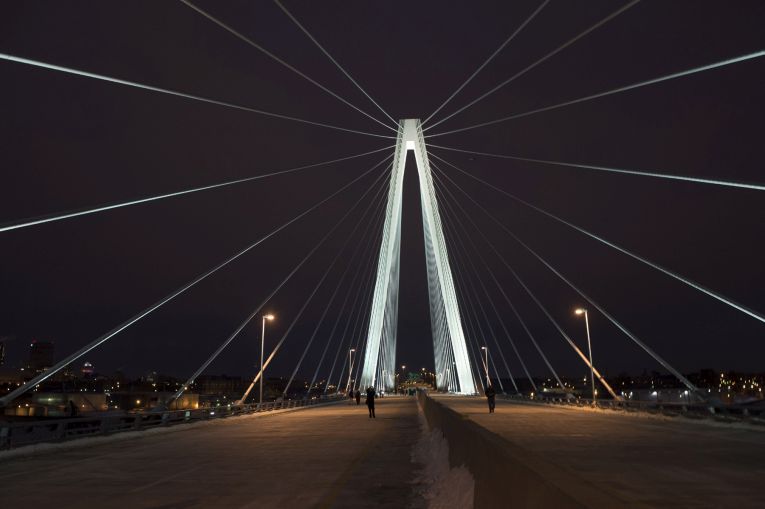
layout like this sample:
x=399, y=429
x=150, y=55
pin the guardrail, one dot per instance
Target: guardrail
x=506, y=475
x=17, y=434
x=692, y=410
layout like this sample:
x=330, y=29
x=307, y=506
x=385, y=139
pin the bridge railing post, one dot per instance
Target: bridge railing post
x=5, y=437
x=60, y=432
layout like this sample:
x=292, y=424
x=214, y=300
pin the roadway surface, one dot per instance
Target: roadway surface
x=328, y=456
x=645, y=461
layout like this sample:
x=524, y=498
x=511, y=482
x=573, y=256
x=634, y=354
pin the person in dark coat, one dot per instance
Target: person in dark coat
x=371, y=401
x=358, y=397
x=350, y=394
x=491, y=395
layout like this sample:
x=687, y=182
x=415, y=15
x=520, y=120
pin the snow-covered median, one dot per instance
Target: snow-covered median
x=441, y=486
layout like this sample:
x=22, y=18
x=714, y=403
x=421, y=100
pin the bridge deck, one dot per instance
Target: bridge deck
x=331, y=456
x=649, y=461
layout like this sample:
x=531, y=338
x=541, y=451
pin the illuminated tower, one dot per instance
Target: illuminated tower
x=453, y=370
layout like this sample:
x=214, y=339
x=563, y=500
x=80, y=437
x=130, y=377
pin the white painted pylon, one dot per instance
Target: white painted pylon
x=453, y=371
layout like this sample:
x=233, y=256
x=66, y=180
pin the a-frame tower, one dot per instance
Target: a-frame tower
x=453, y=372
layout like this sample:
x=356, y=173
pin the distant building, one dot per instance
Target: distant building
x=4, y=340
x=57, y=404
x=133, y=401
x=220, y=385
x=87, y=370
x=11, y=377
x=40, y=355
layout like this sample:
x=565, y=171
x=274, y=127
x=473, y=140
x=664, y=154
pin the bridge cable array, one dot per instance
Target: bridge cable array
x=176, y=93
x=489, y=59
x=468, y=289
x=541, y=60
x=61, y=216
x=363, y=298
x=360, y=324
x=523, y=284
x=337, y=64
x=105, y=337
x=356, y=303
x=470, y=296
x=368, y=241
x=452, y=212
x=269, y=54
x=376, y=199
x=687, y=72
x=674, y=275
x=102, y=208
x=623, y=171
x=308, y=299
x=252, y=315
x=621, y=327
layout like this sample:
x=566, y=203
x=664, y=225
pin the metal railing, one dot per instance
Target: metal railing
x=19, y=433
x=716, y=411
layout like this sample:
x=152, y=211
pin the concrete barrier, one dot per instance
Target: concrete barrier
x=507, y=476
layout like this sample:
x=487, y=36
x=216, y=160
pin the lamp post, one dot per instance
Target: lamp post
x=583, y=311
x=350, y=369
x=262, y=344
x=486, y=364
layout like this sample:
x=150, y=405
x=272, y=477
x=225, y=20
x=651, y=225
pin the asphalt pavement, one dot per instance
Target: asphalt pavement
x=643, y=460
x=329, y=456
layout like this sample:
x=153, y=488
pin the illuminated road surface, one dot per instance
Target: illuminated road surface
x=332, y=456
x=645, y=461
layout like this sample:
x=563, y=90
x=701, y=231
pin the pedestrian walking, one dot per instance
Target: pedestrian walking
x=358, y=397
x=491, y=396
x=350, y=394
x=371, y=402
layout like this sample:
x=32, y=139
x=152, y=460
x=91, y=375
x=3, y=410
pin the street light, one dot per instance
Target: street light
x=262, y=344
x=486, y=364
x=350, y=368
x=579, y=312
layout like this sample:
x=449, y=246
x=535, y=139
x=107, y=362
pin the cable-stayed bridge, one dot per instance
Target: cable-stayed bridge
x=485, y=308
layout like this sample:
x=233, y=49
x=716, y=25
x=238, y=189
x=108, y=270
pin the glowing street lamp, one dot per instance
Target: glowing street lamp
x=262, y=344
x=486, y=364
x=579, y=312
x=350, y=368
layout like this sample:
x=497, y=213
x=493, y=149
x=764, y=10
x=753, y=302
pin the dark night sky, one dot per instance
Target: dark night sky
x=71, y=142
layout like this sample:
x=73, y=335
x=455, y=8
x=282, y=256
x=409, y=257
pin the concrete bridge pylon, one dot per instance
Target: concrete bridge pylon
x=453, y=371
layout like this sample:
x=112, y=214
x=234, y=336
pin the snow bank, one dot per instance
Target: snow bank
x=442, y=487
